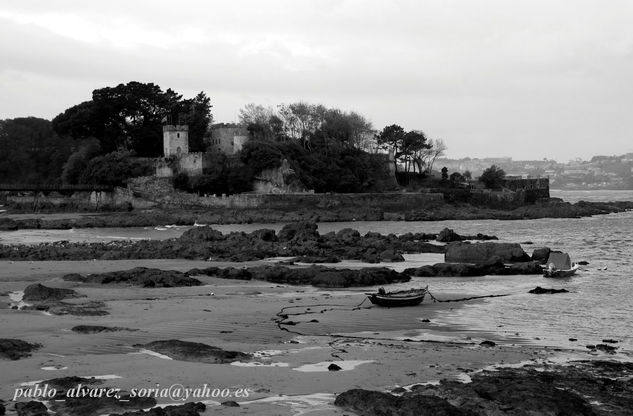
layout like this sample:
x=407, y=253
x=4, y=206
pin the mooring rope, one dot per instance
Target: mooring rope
x=464, y=299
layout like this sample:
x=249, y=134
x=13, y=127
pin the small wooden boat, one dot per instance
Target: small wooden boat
x=559, y=265
x=409, y=297
x=554, y=272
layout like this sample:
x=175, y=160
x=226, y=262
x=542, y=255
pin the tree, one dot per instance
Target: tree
x=467, y=175
x=130, y=117
x=493, y=177
x=444, y=173
x=31, y=151
x=392, y=138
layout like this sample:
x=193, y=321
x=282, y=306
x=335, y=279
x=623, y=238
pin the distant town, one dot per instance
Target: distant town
x=601, y=172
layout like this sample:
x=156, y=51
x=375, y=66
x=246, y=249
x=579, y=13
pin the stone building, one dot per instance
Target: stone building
x=227, y=138
x=175, y=140
x=176, y=156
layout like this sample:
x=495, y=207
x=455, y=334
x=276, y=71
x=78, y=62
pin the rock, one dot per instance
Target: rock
x=315, y=259
x=298, y=231
x=95, y=329
x=573, y=339
x=142, y=276
x=493, y=267
x=487, y=344
x=14, y=349
x=348, y=236
x=2, y=409
x=460, y=252
x=540, y=291
x=374, y=403
x=265, y=234
x=201, y=234
x=583, y=263
x=187, y=409
x=8, y=224
x=390, y=256
x=333, y=367
x=31, y=408
x=606, y=348
x=195, y=351
x=447, y=235
x=610, y=341
x=230, y=403
x=37, y=293
x=541, y=254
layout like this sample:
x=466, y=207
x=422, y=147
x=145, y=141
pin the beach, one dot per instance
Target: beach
x=288, y=372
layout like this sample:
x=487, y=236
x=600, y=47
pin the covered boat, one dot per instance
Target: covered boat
x=409, y=297
x=559, y=265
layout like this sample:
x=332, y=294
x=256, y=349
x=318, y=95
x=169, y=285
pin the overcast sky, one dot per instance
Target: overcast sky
x=527, y=79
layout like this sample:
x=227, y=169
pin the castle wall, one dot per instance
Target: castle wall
x=228, y=140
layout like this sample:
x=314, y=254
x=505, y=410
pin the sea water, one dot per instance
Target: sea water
x=599, y=305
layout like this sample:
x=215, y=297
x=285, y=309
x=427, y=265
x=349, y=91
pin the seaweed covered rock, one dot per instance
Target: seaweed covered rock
x=374, y=403
x=319, y=276
x=140, y=276
x=187, y=409
x=463, y=252
x=298, y=231
x=14, y=349
x=40, y=293
x=195, y=351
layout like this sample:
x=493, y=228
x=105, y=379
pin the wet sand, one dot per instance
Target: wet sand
x=377, y=348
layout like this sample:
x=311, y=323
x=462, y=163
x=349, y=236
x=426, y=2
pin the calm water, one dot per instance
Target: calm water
x=599, y=305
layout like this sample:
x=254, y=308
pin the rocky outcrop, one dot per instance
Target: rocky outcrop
x=494, y=267
x=187, y=409
x=32, y=408
x=374, y=403
x=461, y=252
x=96, y=329
x=40, y=293
x=139, y=276
x=204, y=243
x=195, y=351
x=447, y=235
x=588, y=388
x=318, y=276
x=14, y=349
x=541, y=291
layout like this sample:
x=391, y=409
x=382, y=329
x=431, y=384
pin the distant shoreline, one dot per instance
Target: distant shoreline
x=554, y=208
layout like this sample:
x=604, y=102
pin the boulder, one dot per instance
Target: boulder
x=39, y=293
x=447, y=235
x=541, y=254
x=461, y=252
x=265, y=235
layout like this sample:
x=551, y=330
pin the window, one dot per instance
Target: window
x=178, y=135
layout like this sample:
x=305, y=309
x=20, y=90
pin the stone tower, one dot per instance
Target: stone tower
x=175, y=140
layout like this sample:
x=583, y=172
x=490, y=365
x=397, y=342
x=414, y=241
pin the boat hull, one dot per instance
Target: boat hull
x=393, y=301
x=560, y=273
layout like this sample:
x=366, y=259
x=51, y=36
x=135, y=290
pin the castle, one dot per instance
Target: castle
x=177, y=158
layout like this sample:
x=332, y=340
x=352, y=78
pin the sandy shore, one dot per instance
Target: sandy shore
x=377, y=348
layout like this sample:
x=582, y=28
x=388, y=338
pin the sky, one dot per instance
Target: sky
x=528, y=79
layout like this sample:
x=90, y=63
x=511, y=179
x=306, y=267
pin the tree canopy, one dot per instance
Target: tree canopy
x=492, y=177
x=130, y=117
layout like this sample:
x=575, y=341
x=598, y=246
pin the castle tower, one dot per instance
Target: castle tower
x=175, y=140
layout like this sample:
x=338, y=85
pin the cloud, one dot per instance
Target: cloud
x=522, y=78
